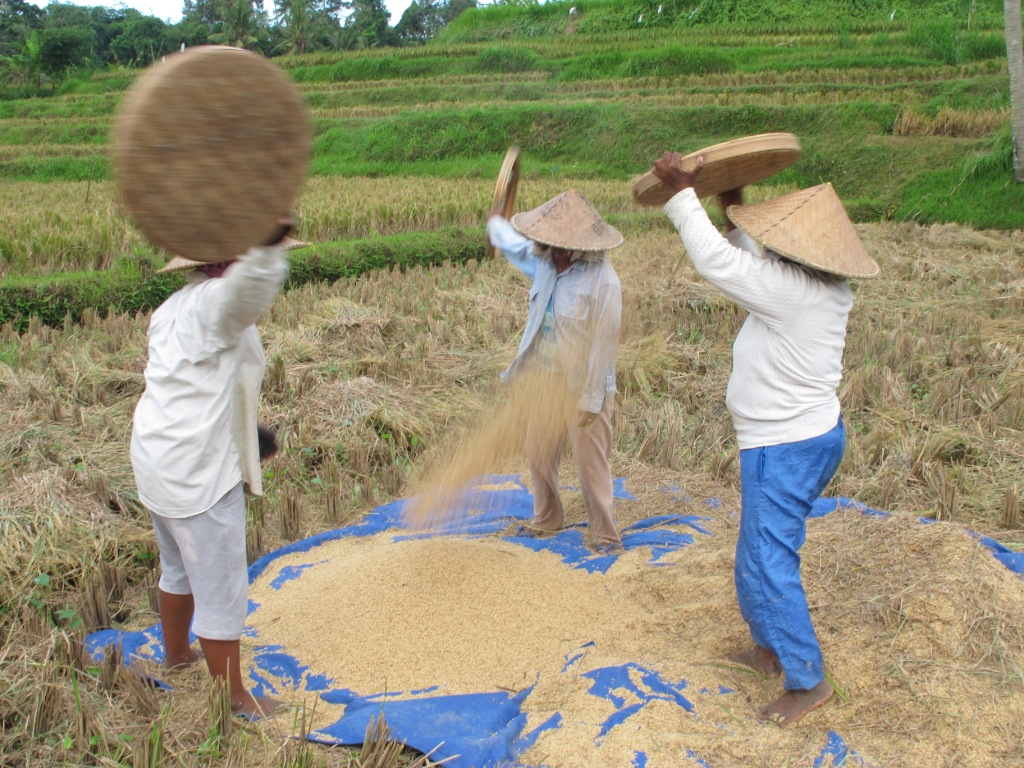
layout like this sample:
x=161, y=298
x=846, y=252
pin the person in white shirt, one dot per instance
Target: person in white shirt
x=195, y=448
x=787, y=365
x=571, y=337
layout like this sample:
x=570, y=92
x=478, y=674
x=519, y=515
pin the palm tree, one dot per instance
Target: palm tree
x=1015, y=64
x=294, y=18
x=304, y=25
x=240, y=25
x=25, y=67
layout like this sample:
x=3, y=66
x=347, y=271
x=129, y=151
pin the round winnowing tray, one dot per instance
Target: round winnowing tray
x=504, y=201
x=211, y=148
x=728, y=165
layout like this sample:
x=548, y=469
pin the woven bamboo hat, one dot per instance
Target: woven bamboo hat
x=210, y=150
x=809, y=226
x=180, y=263
x=568, y=221
x=728, y=165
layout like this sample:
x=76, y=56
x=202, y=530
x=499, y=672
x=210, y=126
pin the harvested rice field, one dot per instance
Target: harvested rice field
x=373, y=381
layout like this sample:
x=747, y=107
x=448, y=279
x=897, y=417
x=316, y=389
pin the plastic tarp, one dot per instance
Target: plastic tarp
x=488, y=728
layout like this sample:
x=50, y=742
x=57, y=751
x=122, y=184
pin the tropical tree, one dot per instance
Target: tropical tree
x=305, y=25
x=25, y=68
x=64, y=49
x=142, y=41
x=1015, y=64
x=411, y=28
x=369, y=18
x=67, y=15
x=349, y=39
x=423, y=19
x=450, y=9
x=241, y=25
x=206, y=12
x=17, y=20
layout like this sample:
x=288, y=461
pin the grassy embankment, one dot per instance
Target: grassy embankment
x=370, y=374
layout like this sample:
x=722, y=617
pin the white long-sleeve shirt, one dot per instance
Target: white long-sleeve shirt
x=587, y=313
x=787, y=360
x=194, y=434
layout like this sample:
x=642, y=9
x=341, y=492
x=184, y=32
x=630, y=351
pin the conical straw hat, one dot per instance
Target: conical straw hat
x=568, y=221
x=809, y=226
x=180, y=263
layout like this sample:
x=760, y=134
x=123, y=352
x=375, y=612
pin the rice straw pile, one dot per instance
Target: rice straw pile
x=922, y=631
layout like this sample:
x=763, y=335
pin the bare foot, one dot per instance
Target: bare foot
x=528, y=531
x=255, y=707
x=760, y=660
x=178, y=664
x=792, y=705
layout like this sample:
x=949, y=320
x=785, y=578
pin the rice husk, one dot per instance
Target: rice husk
x=534, y=403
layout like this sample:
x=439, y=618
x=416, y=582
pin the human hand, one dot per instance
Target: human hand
x=267, y=442
x=671, y=173
x=284, y=227
x=585, y=418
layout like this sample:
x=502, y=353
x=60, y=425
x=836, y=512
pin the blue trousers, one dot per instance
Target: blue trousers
x=779, y=483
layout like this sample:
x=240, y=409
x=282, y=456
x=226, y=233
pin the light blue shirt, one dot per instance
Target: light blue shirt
x=586, y=304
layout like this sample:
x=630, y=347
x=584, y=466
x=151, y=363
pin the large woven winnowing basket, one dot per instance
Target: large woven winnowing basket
x=211, y=148
x=809, y=226
x=728, y=165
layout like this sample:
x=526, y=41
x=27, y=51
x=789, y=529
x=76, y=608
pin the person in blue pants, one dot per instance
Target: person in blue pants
x=787, y=262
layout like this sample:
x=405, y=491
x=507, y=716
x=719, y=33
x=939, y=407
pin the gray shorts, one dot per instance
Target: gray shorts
x=204, y=556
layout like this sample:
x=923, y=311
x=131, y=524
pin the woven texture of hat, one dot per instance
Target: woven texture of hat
x=809, y=226
x=211, y=149
x=568, y=221
x=729, y=165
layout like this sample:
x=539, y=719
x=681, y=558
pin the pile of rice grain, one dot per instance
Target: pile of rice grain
x=466, y=615
x=922, y=631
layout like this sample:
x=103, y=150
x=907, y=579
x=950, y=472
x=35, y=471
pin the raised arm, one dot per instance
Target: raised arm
x=757, y=284
x=516, y=248
x=248, y=287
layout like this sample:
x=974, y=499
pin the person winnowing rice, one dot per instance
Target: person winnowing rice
x=196, y=447
x=787, y=365
x=569, y=344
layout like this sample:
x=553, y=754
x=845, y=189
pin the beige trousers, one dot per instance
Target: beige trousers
x=591, y=447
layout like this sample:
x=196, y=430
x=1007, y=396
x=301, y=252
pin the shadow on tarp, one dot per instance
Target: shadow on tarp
x=485, y=729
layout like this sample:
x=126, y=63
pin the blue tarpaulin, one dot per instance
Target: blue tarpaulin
x=489, y=728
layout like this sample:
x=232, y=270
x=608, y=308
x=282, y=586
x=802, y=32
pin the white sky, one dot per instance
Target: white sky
x=170, y=10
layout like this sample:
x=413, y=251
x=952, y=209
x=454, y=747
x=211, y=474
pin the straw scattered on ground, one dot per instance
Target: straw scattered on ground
x=369, y=378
